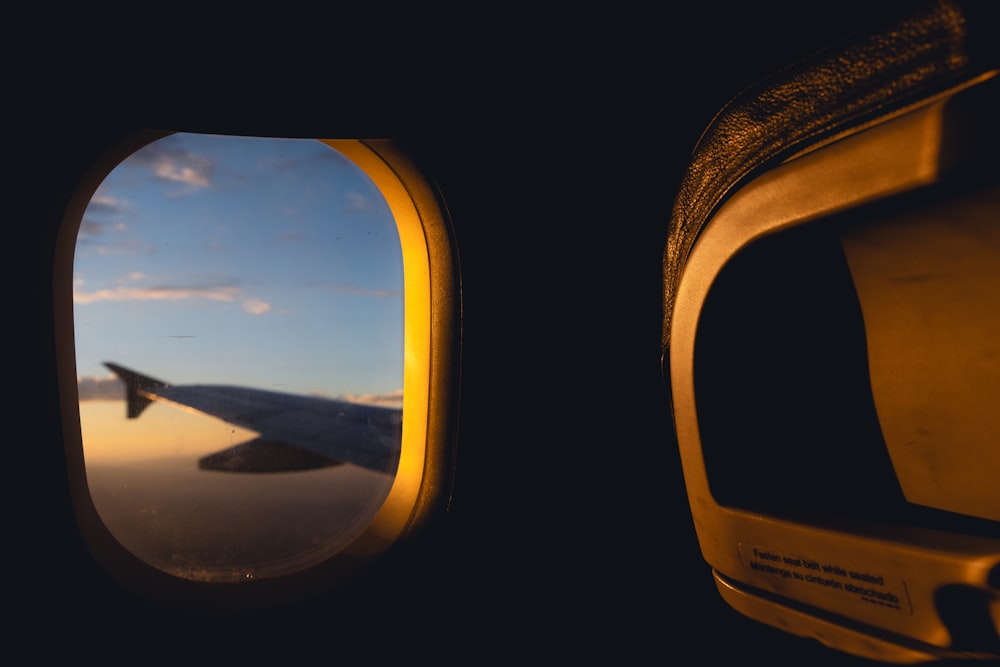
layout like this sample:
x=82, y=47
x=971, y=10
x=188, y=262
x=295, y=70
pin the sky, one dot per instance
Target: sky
x=272, y=263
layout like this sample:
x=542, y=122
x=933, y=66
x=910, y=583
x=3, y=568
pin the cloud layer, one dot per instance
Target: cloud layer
x=111, y=388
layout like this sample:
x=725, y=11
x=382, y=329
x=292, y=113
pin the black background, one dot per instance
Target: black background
x=558, y=139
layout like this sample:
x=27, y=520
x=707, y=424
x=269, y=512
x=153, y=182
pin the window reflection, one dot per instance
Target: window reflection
x=258, y=283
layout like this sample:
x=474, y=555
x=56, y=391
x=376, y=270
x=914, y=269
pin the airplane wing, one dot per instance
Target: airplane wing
x=296, y=432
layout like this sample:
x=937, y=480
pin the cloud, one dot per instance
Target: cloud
x=101, y=389
x=104, y=204
x=161, y=293
x=91, y=228
x=176, y=166
x=357, y=202
x=102, y=229
x=392, y=400
x=111, y=388
x=291, y=235
x=348, y=288
x=222, y=291
x=256, y=306
x=102, y=215
x=180, y=173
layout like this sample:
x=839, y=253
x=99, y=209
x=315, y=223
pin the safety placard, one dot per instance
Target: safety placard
x=807, y=576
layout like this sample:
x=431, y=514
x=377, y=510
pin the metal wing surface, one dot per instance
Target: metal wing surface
x=296, y=432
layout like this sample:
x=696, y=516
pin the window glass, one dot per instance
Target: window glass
x=246, y=296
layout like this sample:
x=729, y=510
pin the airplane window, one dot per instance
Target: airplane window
x=239, y=332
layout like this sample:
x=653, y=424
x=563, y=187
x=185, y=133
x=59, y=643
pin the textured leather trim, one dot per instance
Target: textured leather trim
x=927, y=48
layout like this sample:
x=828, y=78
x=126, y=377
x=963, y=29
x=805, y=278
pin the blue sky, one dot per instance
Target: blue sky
x=272, y=263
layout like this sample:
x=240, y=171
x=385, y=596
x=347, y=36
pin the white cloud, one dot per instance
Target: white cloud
x=156, y=294
x=256, y=306
x=390, y=400
x=226, y=293
x=105, y=202
x=187, y=169
x=101, y=389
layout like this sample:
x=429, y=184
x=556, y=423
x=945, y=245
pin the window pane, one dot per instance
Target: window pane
x=256, y=285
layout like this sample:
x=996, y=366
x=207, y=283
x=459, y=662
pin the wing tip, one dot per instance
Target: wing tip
x=137, y=388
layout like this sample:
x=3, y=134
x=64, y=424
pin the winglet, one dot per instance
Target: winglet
x=137, y=388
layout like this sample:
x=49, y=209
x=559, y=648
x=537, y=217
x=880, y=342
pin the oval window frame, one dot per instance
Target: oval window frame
x=421, y=486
